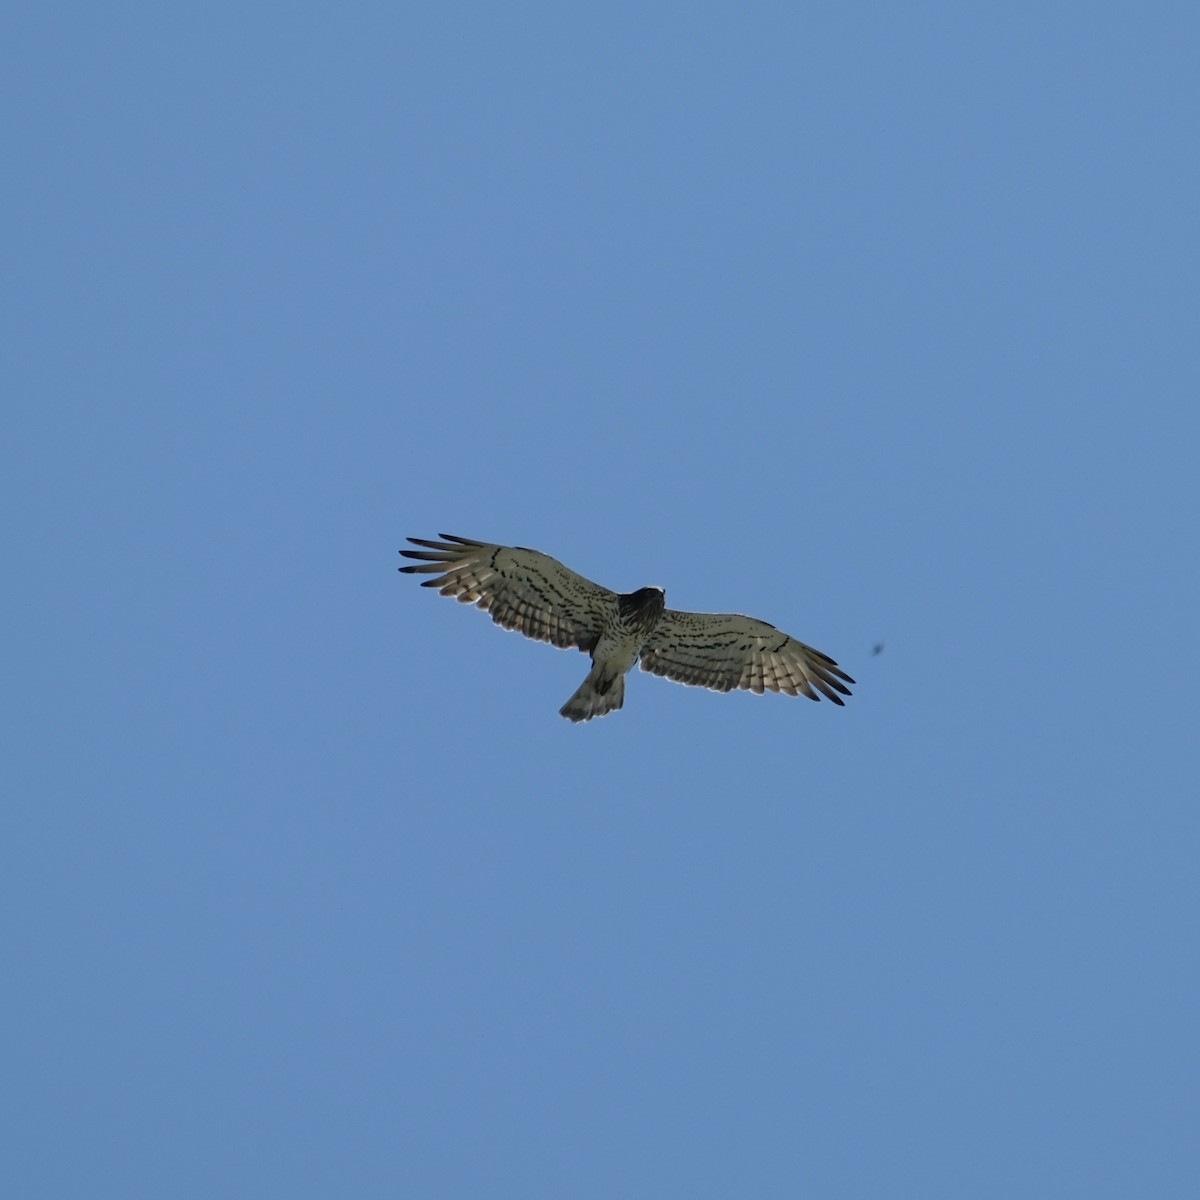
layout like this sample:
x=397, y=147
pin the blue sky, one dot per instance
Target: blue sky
x=877, y=322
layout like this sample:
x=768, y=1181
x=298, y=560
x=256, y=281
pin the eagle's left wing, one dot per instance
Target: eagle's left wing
x=723, y=651
x=522, y=589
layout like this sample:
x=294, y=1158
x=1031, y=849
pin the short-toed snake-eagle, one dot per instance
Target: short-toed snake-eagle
x=539, y=597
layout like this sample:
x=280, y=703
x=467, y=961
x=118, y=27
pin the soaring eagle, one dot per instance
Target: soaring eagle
x=539, y=597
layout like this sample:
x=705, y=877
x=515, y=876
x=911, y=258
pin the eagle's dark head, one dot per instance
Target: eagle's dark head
x=640, y=610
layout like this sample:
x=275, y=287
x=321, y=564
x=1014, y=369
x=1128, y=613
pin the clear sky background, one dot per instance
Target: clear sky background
x=876, y=321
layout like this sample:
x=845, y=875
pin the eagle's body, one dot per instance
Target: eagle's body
x=539, y=597
x=627, y=627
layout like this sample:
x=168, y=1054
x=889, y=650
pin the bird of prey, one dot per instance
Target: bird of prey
x=539, y=597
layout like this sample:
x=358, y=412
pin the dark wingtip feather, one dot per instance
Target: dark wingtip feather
x=833, y=669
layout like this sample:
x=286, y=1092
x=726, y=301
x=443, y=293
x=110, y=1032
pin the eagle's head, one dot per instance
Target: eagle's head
x=641, y=609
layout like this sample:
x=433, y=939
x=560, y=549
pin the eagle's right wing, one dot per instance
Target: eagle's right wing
x=522, y=589
x=724, y=651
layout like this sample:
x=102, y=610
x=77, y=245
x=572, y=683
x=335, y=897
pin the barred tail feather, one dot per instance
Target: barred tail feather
x=600, y=693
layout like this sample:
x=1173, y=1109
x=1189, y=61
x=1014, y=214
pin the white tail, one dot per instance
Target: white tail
x=599, y=693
